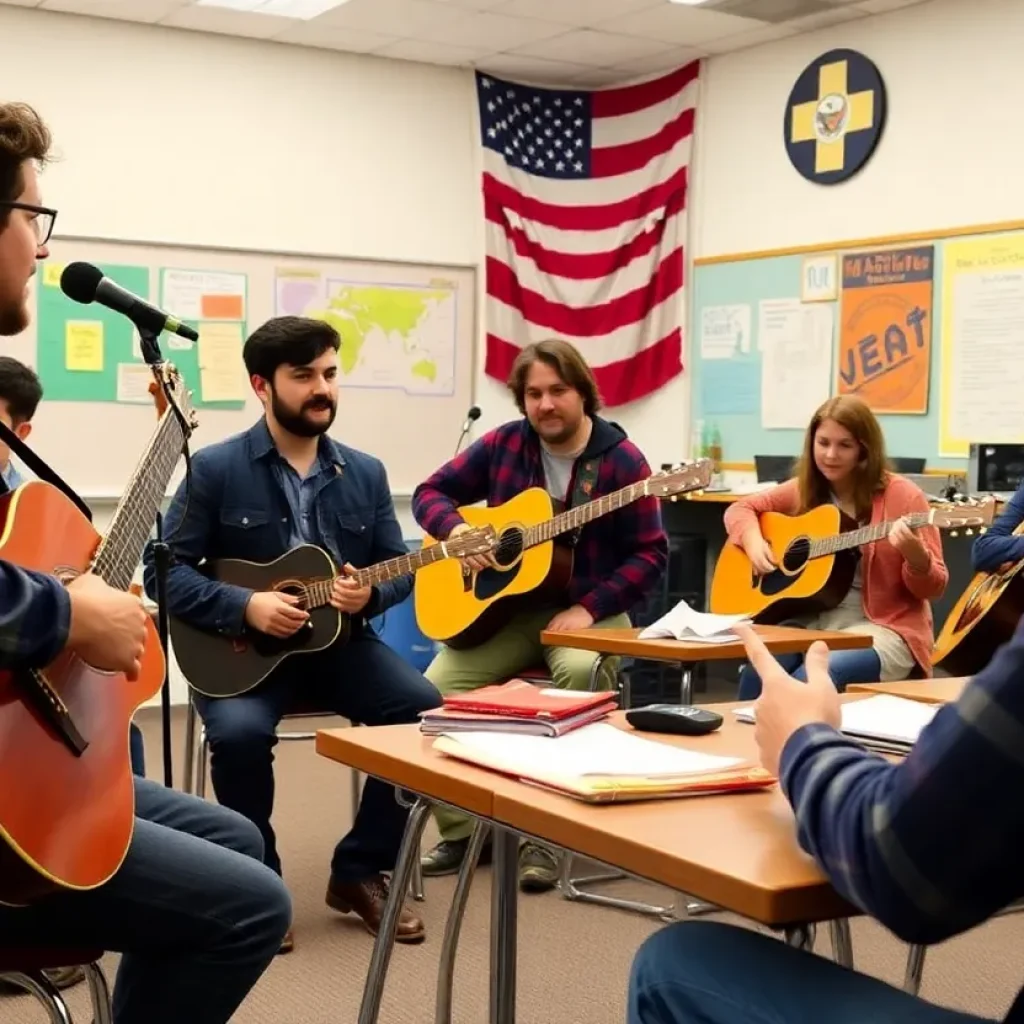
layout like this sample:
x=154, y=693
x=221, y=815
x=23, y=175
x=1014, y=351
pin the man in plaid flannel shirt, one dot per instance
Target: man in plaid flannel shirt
x=618, y=558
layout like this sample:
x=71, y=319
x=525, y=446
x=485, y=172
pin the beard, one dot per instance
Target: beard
x=297, y=422
x=14, y=316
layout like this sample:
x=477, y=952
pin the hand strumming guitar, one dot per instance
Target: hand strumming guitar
x=347, y=595
x=274, y=613
x=474, y=562
x=108, y=626
x=759, y=552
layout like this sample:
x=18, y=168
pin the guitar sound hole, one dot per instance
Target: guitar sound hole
x=796, y=555
x=509, y=548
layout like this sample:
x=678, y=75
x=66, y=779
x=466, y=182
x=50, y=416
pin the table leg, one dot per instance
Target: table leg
x=842, y=942
x=595, y=672
x=504, y=890
x=686, y=684
x=915, y=969
x=801, y=936
x=452, y=927
x=384, y=944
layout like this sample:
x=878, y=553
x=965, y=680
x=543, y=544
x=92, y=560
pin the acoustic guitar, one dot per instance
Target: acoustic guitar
x=816, y=559
x=216, y=665
x=67, y=800
x=986, y=614
x=463, y=608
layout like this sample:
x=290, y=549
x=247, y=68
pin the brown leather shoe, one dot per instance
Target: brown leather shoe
x=287, y=943
x=367, y=899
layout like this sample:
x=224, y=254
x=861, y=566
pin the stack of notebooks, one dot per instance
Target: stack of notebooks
x=518, y=707
x=890, y=725
x=600, y=763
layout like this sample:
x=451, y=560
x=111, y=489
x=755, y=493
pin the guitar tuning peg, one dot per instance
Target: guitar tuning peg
x=969, y=533
x=953, y=533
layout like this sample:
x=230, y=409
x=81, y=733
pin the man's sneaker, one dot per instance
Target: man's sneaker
x=446, y=858
x=539, y=868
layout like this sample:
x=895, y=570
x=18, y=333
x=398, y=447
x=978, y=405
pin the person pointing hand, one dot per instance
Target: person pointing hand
x=787, y=704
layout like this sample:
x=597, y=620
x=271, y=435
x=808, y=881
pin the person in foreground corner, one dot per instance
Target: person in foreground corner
x=195, y=913
x=928, y=846
x=255, y=496
x=999, y=546
x=562, y=445
x=843, y=462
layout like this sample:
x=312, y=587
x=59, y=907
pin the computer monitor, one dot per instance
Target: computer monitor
x=773, y=468
x=907, y=465
x=995, y=468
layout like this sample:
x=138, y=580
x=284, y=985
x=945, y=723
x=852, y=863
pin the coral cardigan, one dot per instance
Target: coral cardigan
x=895, y=596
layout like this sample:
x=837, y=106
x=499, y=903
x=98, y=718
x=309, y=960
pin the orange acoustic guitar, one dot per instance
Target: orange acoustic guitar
x=67, y=804
x=983, y=619
x=815, y=553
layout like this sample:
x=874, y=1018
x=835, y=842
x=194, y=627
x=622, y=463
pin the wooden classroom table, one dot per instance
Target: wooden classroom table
x=928, y=691
x=627, y=643
x=738, y=851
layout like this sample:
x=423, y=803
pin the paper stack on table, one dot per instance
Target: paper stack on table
x=684, y=623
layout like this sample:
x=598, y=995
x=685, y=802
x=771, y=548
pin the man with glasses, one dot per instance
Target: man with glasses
x=192, y=908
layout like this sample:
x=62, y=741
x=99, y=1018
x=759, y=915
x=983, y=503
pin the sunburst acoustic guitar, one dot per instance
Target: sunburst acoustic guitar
x=984, y=618
x=463, y=608
x=67, y=803
x=816, y=560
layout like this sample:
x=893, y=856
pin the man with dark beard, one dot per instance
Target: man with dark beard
x=255, y=496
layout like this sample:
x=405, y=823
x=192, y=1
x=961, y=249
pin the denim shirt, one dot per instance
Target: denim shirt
x=239, y=507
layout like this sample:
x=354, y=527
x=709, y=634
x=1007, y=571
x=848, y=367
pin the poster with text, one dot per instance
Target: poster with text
x=885, y=337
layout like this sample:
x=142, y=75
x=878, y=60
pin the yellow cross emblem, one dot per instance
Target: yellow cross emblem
x=829, y=118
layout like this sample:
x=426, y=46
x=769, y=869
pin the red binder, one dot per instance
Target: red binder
x=520, y=699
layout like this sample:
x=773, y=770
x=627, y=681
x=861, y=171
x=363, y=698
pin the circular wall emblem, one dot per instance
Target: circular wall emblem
x=834, y=116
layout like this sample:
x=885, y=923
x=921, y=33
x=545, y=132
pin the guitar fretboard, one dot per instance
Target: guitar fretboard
x=317, y=593
x=579, y=516
x=865, y=535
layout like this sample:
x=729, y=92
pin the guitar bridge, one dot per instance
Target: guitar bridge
x=50, y=707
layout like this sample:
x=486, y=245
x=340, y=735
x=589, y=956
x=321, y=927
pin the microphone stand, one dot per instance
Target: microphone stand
x=161, y=562
x=462, y=437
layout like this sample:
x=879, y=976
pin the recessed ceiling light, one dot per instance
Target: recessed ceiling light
x=688, y=3
x=301, y=9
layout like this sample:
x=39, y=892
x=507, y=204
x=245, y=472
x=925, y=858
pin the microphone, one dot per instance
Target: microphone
x=85, y=283
x=471, y=417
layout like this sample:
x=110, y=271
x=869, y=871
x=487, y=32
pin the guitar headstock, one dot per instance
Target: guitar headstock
x=963, y=513
x=476, y=541
x=681, y=479
x=167, y=387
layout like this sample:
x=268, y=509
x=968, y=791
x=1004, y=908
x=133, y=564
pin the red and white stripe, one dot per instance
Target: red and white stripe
x=599, y=262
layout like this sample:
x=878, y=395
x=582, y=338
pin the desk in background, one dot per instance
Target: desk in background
x=944, y=690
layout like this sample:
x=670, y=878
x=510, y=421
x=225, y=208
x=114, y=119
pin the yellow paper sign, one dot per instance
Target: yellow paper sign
x=221, y=376
x=51, y=274
x=83, y=345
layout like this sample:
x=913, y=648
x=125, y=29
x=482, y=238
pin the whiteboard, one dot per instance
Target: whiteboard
x=96, y=445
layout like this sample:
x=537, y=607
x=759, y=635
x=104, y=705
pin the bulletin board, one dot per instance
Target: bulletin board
x=927, y=328
x=407, y=333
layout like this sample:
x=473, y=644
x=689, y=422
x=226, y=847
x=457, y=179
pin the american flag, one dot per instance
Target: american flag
x=585, y=212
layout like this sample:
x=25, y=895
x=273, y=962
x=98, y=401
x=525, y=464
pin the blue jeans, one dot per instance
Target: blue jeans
x=698, y=972
x=845, y=667
x=192, y=908
x=365, y=681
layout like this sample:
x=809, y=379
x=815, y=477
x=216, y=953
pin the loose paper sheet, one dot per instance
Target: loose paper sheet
x=83, y=345
x=133, y=380
x=725, y=331
x=204, y=295
x=221, y=373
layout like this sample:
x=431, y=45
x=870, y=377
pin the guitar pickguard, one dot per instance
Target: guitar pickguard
x=491, y=582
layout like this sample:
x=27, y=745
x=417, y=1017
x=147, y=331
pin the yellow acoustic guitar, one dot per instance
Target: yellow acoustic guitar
x=816, y=559
x=463, y=608
x=982, y=620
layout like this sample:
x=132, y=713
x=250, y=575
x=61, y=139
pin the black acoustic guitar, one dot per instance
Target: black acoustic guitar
x=216, y=665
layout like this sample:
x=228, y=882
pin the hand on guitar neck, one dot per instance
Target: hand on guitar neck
x=108, y=626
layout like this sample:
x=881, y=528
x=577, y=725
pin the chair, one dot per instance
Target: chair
x=25, y=967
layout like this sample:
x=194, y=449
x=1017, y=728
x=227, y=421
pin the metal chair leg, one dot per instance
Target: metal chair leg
x=39, y=985
x=915, y=969
x=569, y=887
x=452, y=927
x=202, y=763
x=99, y=993
x=189, y=760
x=842, y=942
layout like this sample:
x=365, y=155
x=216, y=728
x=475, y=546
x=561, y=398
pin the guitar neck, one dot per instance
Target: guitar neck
x=318, y=593
x=573, y=518
x=865, y=535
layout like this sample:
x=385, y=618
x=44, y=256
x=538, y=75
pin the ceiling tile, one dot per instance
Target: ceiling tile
x=226, y=22
x=674, y=23
x=473, y=5
x=881, y=6
x=494, y=31
x=22, y=3
x=578, y=13
x=755, y=37
x=667, y=60
x=520, y=68
x=427, y=52
x=596, y=49
x=597, y=77
x=810, y=22
x=125, y=10
x=312, y=33
x=411, y=16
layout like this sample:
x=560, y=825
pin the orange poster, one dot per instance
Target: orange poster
x=885, y=337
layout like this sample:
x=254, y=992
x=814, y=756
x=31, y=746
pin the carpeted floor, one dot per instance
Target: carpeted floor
x=573, y=961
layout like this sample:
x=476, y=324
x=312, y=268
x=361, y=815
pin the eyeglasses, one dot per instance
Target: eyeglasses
x=43, y=220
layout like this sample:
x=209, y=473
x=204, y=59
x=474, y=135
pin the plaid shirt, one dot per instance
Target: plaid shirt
x=35, y=615
x=931, y=846
x=619, y=557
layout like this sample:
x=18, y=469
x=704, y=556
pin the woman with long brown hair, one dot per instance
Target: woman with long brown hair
x=843, y=462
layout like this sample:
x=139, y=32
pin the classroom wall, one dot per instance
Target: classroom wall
x=948, y=156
